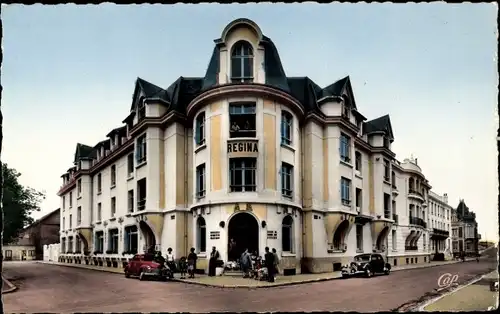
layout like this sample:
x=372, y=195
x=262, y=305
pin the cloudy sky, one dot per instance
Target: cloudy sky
x=68, y=76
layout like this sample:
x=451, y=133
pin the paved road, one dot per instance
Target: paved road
x=52, y=288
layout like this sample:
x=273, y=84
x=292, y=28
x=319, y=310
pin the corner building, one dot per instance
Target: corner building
x=245, y=157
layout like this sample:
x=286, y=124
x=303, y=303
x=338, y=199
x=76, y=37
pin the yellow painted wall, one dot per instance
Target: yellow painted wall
x=161, y=161
x=269, y=105
x=270, y=151
x=307, y=167
x=180, y=193
x=215, y=153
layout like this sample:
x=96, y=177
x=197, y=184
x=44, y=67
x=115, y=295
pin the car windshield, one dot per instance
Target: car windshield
x=362, y=258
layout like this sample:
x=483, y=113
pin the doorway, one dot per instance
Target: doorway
x=243, y=233
x=149, y=237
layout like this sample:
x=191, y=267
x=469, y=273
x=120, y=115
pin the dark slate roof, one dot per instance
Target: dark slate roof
x=305, y=91
x=146, y=89
x=382, y=124
x=183, y=91
x=121, y=130
x=82, y=151
x=340, y=88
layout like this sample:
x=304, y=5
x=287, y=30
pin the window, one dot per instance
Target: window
x=140, y=149
x=286, y=180
x=141, y=194
x=64, y=202
x=201, y=234
x=78, y=245
x=130, y=165
x=63, y=245
x=79, y=187
x=387, y=142
x=359, y=238
x=141, y=112
x=99, y=212
x=113, y=175
x=130, y=207
x=242, y=63
x=345, y=191
x=112, y=241
x=70, y=221
x=242, y=120
x=131, y=242
x=358, y=160
x=70, y=199
x=200, y=181
x=393, y=179
x=345, y=148
x=394, y=240
x=79, y=215
x=287, y=234
x=242, y=174
x=359, y=198
x=387, y=170
x=99, y=183
x=64, y=223
x=113, y=206
x=286, y=128
x=70, y=244
x=99, y=242
x=200, y=129
x=387, y=206
x=346, y=110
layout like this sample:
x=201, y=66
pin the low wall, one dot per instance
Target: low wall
x=51, y=252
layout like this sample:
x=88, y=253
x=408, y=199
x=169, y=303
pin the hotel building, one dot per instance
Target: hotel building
x=440, y=213
x=249, y=156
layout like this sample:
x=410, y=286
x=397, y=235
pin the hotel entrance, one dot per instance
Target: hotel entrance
x=243, y=233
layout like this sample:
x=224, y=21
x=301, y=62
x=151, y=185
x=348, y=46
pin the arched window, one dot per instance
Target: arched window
x=242, y=63
x=339, y=236
x=287, y=234
x=201, y=235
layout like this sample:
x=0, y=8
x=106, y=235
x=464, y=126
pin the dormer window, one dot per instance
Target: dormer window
x=113, y=141
x=346, y=111
x=141, y=111
x=242, y=63
x=387, y=142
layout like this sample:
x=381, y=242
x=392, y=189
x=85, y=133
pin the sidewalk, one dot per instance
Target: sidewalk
x=474, y=297
x=240, y=282
x=7, y=286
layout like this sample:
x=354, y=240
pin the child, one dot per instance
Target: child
x=192, y=257
x=183, y=267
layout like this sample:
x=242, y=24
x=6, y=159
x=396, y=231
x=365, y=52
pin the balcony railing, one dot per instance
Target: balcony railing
x=411, y=248
x=141, y=204
x=440, y=232
x=412, y=191
x=387, y=214
x=418, y=221
x=395, y=218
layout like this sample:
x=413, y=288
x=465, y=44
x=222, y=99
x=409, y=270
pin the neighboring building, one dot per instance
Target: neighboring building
x=440, y=213
x=249, y=154
x=29, y=244
x=465, y=234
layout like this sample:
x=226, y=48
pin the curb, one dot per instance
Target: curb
x=421, y=308
x=75, y=266
x=12, y=287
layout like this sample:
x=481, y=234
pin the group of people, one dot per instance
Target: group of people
x=254, y=267
x=186, y=265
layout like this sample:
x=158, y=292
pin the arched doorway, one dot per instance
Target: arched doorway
x=149, y=237
x=339, y=235
x=380, y=245
x=243, y=233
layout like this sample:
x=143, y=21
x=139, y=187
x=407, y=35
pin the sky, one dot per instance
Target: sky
x=69, y=71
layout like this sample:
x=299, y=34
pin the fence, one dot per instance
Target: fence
x=51, y=252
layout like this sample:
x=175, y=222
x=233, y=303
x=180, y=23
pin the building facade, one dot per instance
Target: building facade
x=440, y=216
x=245, y=158
x=465, y=236
x=29, y=245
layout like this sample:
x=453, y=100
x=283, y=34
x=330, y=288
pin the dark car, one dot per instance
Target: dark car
x=366, y=264
x=147, y=266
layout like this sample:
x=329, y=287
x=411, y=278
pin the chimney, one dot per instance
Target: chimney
x=445, y=198
x=416, y=161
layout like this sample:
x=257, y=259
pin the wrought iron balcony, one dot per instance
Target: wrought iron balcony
x=411, y=248
x=412, y=191
x=418, y=221
x=440, y=233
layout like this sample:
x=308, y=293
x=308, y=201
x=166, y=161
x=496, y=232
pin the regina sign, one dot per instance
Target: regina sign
x=242, y=147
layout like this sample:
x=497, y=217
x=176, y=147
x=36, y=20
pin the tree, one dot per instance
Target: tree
x=19, y=203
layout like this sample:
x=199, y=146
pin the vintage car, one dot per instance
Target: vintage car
x=366, y=264
x=145, y=266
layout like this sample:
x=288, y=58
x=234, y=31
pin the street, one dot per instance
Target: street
x=52, y=288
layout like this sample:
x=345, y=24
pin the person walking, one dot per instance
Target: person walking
x=276, y=263
x=212, y=262
x=171, y=260
x=269, y=262
x=246, y=263
x=192, y=258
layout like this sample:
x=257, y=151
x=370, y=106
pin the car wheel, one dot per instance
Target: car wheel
x=368, y=273
x=345, y=276
x=127, y=275
x=387, y=271
x=141, y=276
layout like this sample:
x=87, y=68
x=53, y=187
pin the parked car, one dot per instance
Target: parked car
x=144, y=266
x=366, y=264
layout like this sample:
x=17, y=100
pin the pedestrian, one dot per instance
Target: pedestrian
x=192, y=257
x=171, y=260
x=183, y=267
x=276, y=263
x=246, y=263
x=269, y=262
x=212, y=262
